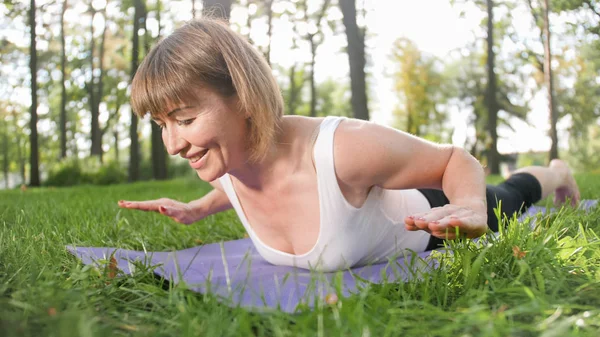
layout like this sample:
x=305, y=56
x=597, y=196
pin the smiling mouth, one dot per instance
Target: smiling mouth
x=198, y=156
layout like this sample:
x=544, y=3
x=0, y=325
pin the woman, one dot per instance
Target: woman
x=315, y=193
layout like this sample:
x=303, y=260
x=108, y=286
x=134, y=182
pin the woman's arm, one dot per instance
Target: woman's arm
x=186, y=213
x=367, y=154
x=213, y=202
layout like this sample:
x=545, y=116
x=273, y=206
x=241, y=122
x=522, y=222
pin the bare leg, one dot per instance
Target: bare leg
x=556, y=178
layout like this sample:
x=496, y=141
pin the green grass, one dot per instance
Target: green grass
x=553, y=290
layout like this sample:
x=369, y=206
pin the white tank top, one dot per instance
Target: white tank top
x=348, y=236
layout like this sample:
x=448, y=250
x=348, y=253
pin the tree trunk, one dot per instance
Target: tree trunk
x=20, y=149
x=5, y=156
x=159, y=157
x=63, y=97
x=249, y=19
x=193, y=9
x=34, y=172
x=217, y=9
x=22, y=162
x=548, y=78
x=410, y=122
x=159, y=23
x=96, y=88
x=114, y=115
x=356, y=57
x=116, y=137
x=313, y=89
x=492, y=103
x=269, y=6
x=95, y=126
x=134, y=156
x=100, y=88
x=293, y=91
x=313, y=52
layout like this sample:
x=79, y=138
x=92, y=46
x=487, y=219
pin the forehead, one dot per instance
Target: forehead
x=196, y=98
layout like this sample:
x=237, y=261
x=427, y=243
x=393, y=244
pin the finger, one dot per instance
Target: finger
x=470, y=226
x=436, y=219
x=411, y=227
x=415, y=223
x=126, y=203
x=445, y=235
x=166, y=210
x=176, y=214
x=438, y=213
x=150, y=205
x=409, y=223
x=421, y=224
x=443, y=228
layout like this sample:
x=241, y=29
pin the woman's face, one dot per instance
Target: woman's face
x=210, y=133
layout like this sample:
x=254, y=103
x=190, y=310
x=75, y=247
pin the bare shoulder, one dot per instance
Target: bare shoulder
x=368, y=154
x=356, y=143
x=300, y=124
x=298, y=130
x=299, y=133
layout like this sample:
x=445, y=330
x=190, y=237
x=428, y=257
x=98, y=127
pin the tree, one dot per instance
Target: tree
x=490, y=98
x=356, y=58
x=540, y=12
x=296, y=73
x=586, y=6
x=314, y=36
x=269, y=11
x=494, y=28
x=63, y=96
x=296, y=78
x=582, y=103
x=95, y=85
x=417, y=83
x=34, y=173
x=466, y=87
x=333, y=99
x=5, y=155
x=550, y=83
x=217, y=8
x=134, y=156
x=159, y=158
x=5, y=149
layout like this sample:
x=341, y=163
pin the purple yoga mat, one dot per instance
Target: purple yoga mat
x=238, y=275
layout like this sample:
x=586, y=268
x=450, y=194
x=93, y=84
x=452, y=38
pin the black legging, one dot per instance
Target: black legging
x=517, y=193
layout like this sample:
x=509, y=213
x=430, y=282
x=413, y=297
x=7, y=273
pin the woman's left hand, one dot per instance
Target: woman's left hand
x=442, y=222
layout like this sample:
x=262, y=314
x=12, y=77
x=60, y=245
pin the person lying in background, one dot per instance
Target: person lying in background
x=322, y=193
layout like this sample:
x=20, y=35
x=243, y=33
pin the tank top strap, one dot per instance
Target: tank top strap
x=329, y=191
x=323, y=150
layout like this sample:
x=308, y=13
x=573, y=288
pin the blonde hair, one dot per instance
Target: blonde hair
x=207, y=53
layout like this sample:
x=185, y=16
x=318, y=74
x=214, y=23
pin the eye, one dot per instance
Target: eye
x=185, y=122
x=161, y=125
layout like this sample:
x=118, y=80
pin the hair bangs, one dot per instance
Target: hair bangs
x=159, y=84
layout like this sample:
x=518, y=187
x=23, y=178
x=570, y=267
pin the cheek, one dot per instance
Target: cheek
x=201, y=135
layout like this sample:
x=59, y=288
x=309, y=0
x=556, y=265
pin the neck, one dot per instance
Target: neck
x=257, y=176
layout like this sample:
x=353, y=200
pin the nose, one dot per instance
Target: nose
x=173, y=141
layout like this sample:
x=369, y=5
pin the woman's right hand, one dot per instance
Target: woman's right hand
x=176, y=210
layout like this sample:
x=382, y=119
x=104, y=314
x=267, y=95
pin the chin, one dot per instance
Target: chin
x=209, y=176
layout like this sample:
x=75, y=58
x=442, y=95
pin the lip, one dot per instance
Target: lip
x=198, y=164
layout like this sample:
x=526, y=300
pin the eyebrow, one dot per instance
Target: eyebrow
x=178, y=109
